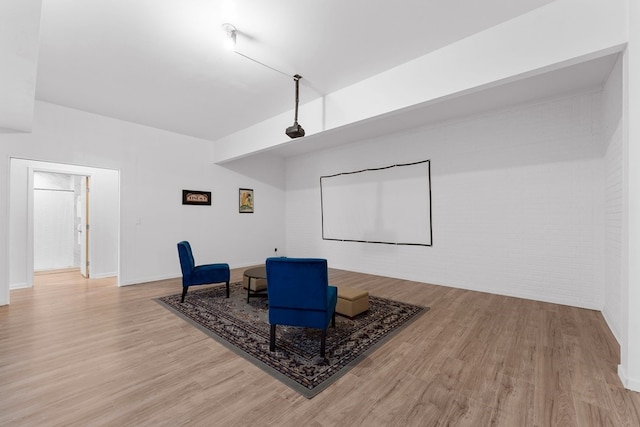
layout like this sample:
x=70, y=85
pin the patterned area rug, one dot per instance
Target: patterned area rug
x=244, y=328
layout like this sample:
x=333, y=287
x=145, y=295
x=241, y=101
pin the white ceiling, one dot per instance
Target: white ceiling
x=161, y=63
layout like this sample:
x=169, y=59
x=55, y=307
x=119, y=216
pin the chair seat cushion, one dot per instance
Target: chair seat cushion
x=310, y=318
x=209, y=273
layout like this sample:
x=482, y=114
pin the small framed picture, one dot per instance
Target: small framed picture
x=192, y=197
x=246, y=200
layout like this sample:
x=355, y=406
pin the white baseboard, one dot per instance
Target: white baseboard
x=628, y=383
x=612, y=325
x=148, y=279
x=103, y=275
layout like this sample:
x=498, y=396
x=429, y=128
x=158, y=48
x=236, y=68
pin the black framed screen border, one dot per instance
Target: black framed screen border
x=428, y=214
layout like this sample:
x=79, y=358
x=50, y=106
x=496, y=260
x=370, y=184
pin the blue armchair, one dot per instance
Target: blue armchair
x=300, y=295
x=202, y=274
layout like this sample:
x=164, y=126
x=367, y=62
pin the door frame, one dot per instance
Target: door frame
x=30, y=217
x=85, y=220
x=19, y=254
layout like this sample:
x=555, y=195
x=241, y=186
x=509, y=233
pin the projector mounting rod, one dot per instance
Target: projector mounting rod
x=296, y=131
x=297, y=78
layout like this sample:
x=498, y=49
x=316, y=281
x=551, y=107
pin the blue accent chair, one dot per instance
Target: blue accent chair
x=300, y=295
x=193, y=274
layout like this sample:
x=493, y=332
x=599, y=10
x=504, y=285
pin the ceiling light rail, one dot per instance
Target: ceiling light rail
x=229, y=42
x=262, y=63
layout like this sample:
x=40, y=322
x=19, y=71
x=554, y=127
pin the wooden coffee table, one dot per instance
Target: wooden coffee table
x=255, y=280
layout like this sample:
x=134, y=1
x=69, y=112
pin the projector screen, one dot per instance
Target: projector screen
x=389, y=205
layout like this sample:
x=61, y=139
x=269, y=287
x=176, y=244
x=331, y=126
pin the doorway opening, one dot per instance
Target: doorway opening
x=61, y=222
x=44, y=239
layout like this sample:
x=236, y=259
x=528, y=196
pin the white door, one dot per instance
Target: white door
x=84, y=227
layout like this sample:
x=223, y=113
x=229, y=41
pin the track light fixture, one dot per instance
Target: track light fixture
x=230, y=34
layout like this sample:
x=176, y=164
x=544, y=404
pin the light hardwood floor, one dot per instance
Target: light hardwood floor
x=76, y=352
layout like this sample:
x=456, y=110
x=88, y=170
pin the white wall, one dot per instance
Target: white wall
x=154, y=167
x=19, y=31
x=54, y=237
x=517, y=199
x=612, y=134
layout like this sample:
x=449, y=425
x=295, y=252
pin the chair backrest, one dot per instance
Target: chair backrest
x=299, y=283
x=187, y=262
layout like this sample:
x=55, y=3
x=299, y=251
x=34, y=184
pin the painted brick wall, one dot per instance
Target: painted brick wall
x=517, y=200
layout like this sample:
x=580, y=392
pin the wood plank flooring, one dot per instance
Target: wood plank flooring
x=77, y=352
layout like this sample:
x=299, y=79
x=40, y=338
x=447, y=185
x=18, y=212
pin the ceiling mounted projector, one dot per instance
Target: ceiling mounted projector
x=295, y=131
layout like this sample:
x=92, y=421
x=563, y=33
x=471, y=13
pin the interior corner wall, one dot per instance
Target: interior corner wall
x=612, y=133
x=629, y=368
x=517, y=202
x=155, y=166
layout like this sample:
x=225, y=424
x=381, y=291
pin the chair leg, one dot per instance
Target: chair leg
x=272, y=338
x=227, y=289
x=184, y=293
x=333, y=320
x=323, y=338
